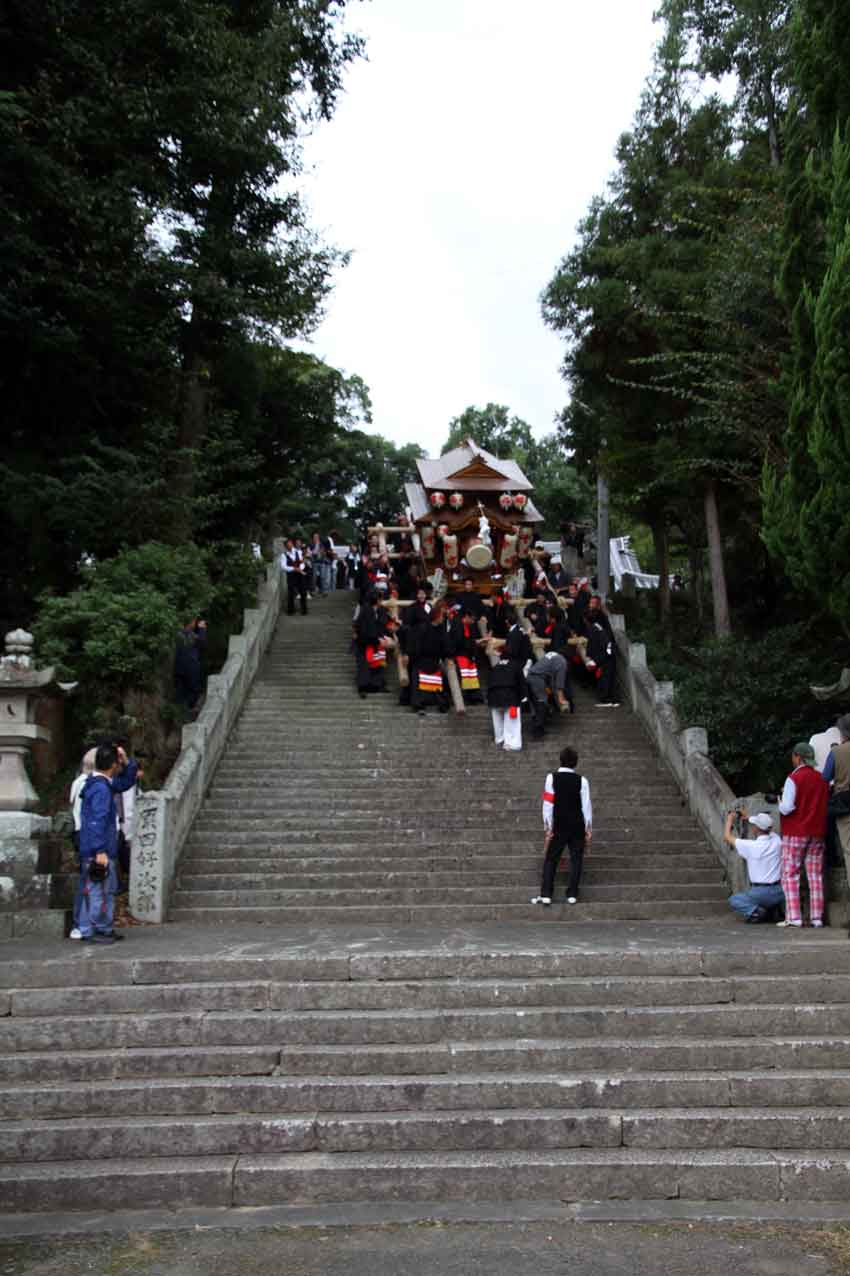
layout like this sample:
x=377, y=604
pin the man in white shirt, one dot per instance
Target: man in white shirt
x=568, y=824
x=292, y=563
x=763, y=855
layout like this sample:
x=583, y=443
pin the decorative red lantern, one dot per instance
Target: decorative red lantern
x=520, y=501
x=443, y=529
x=506, y=501
x=438, y=500
x=456, y=500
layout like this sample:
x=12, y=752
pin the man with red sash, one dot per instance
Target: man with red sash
x=370, y=648
x=463, y=647
x=430, y=649
x=803, y=809
x=568, y=825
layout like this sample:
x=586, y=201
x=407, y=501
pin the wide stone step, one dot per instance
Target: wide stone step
x=655, y=868
x=417, y=1027
x=312, y=1178
x=721, y=1093
x=369, y=994
x=309, y=857
x=276, y=877
x=418, y=842
x=413, y=896
x=365, y=994
x=523, y=1129
x=671, y=910
x=520, y=954
x=529, y=1057
x=525, y=821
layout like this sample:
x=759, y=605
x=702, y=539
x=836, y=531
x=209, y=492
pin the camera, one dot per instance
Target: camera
x=98, y=872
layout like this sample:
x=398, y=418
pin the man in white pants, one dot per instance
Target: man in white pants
x=505, y=691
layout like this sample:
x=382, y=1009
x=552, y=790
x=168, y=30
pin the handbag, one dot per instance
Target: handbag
x=839, y=804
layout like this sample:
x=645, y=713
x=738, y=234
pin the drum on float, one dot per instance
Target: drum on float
x=478, y=555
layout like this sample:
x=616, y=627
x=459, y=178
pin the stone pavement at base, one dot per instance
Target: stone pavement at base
x=228, y=941
x=539, y=1248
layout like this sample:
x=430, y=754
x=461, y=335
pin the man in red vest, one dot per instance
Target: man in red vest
x=803, y=809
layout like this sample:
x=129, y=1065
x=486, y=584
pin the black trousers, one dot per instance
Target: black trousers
x=556, y=848
x=606, y=685
x=296, y=583
x=368, y=679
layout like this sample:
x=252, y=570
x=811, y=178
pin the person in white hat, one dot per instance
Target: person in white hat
x=763, y=854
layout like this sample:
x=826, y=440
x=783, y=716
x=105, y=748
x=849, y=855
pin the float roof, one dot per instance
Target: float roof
x=470, y=468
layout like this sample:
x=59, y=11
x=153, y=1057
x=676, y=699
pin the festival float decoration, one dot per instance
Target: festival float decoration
x=508, y=554
x=487, y=516
x=451, y=556
x=525, y=540
x=428, y=538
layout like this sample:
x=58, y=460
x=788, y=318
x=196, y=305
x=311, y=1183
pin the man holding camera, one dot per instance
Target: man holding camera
x=763, y=856
x=113, y=773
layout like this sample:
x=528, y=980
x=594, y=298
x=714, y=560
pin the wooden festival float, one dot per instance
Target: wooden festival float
x=473, y=516
x=470, y=515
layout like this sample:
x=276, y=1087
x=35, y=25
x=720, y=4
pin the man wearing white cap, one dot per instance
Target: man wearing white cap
x=763, y=855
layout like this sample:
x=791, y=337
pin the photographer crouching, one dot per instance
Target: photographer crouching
x=764, y=900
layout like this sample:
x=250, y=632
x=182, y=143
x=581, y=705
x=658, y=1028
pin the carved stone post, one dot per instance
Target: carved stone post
x=24, y=892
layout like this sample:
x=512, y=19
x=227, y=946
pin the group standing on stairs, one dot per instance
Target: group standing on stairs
x=528, y=655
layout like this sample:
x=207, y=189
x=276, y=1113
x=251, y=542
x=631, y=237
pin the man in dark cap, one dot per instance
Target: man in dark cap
x=837, y=773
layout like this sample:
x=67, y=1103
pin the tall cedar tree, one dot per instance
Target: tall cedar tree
x=147, y=158
x=806, y=505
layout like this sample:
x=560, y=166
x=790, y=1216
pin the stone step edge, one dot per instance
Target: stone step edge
x=206, y=989
x=400, y=1213
x=275, y=1078
x=248, y=1180
x=410, y=963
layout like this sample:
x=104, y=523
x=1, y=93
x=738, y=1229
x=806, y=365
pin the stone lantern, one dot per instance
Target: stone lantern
x=24, y=893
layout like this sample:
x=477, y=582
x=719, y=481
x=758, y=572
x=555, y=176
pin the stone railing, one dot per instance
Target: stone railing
x=684, y=751
x=165, y=816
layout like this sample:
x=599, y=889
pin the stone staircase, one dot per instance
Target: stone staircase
x=373, y=1013
x=327, y=808
x=558, y=1069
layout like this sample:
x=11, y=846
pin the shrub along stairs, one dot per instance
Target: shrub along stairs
x=404, y=1027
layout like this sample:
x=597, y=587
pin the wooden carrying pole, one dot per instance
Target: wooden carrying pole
x=454, y=686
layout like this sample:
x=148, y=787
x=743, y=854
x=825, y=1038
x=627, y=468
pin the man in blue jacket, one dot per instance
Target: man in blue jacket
x=113, y=773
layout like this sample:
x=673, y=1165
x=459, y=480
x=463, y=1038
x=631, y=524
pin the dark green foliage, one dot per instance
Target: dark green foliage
x=147, y=162
x=492, y=428
x=117, y=630
x=753, y=698
x=806, y=494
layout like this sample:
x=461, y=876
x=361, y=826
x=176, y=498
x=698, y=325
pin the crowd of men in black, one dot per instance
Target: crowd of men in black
x=529, y=653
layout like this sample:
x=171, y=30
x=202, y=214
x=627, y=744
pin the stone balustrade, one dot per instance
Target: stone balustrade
x=164, y=817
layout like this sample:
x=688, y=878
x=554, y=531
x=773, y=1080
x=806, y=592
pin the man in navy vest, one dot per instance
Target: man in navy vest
x=567, y=820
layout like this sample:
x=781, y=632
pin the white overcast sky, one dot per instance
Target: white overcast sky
x=460, y=158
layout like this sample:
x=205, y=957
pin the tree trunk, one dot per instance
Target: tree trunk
x=771, y=114
x=722, y=626
x=603, y=544
x=660, y=540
